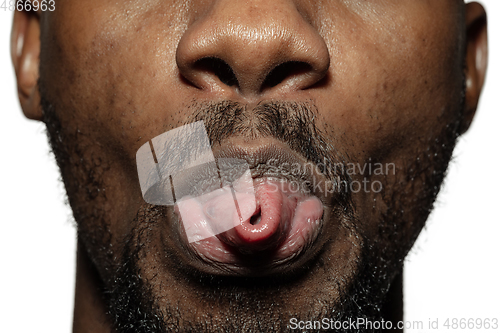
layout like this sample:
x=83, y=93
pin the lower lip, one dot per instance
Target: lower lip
x=302, y=224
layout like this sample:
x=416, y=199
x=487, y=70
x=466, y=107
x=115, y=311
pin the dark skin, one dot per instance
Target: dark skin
x=385, y=81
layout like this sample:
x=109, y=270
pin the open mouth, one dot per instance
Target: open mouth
x=267, y=222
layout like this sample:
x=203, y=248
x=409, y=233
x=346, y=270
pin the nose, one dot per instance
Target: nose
x=252, y=47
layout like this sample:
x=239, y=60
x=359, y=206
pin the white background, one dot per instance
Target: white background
x=451, y=273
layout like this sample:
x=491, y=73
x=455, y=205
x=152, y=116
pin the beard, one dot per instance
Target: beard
x=135, y=301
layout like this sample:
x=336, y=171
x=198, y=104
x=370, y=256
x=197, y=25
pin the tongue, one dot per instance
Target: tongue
x=250, y=219
x=263, y=225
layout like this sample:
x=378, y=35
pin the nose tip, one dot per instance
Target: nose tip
x=252, y=47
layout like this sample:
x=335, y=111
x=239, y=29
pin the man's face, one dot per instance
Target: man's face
x=375, y=86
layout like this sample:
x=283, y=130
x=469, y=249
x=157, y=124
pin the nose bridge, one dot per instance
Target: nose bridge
x=253, y=37
x=256, y=26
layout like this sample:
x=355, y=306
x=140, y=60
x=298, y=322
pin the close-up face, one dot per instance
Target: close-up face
x=346, y=112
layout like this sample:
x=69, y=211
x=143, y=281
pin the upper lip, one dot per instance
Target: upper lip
x=265, y=158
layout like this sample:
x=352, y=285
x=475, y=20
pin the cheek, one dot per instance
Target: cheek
x=110, y=80
x=396, y=87
x=397, y=84
x=112, y=68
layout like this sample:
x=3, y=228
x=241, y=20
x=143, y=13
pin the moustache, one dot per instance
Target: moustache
x=292, y=123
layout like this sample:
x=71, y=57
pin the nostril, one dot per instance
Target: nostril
x=219, y=68
x=284, y=71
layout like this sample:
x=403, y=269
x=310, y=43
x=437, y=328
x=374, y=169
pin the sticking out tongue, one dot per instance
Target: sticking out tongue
x=250, y=219
x=263, y=225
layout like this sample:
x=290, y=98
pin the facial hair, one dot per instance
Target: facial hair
x=131, y=301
